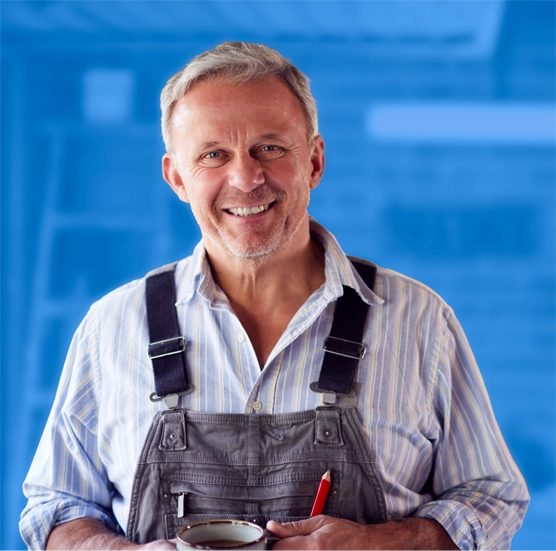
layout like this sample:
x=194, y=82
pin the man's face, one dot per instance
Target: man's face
x=241, y=158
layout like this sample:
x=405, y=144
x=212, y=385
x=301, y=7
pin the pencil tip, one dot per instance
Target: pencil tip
x=326, y=476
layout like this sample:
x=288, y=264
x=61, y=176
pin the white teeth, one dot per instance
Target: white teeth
x=240, y=211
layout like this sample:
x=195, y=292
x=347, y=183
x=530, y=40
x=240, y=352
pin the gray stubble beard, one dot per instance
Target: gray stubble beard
x=259, y=256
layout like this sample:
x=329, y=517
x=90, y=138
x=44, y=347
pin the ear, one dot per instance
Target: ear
x=172, y=176
x=317, y=161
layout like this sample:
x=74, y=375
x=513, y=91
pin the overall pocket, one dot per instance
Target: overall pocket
x=281, y=500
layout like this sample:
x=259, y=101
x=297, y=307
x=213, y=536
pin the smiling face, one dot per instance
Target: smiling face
x=241, y=158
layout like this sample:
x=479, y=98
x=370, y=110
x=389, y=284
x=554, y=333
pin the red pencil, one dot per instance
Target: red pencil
x=322, y=493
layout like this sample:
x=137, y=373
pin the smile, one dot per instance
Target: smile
x=241, y=211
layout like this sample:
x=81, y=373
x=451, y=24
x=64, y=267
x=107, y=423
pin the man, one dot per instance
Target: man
x=276, y=358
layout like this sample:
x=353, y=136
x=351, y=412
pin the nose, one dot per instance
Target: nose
x=245, y=173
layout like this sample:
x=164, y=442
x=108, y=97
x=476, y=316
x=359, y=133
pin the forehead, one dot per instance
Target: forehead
x=219, y=105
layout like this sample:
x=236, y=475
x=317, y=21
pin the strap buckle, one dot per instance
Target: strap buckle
x=170, y=400
x=166, y=347
x=343, y=347
x=329, y=394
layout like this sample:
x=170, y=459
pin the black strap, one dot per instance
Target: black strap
x=366, y=270
x=344, y=347
x=167, y=345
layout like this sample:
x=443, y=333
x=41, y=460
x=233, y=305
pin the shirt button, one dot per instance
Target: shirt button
x=257, y=406
x=240, y=337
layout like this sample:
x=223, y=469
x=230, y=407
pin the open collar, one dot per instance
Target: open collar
x=193, y=274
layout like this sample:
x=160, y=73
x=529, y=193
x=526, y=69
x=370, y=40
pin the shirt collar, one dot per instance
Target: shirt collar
x=338, y=269
x=193, y=274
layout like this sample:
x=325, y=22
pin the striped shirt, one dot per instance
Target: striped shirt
x=420, y=398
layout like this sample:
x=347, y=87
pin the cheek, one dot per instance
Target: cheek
x=202, y=187
x=298, y=170
x=200, y=201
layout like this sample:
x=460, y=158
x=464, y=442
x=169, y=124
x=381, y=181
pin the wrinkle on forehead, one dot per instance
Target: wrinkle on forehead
x=206, y=106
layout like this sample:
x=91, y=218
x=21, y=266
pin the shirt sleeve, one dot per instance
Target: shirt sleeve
x=480, y=495
x=66, y=480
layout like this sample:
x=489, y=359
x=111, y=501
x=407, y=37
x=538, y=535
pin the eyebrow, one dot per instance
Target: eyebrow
x=208, y=145
x=271, y=137
x=263, y=137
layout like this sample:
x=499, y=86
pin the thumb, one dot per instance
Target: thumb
x=295, y=528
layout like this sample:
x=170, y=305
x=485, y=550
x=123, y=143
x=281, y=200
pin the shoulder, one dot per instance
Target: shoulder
x=401, y=291
x=390, y=279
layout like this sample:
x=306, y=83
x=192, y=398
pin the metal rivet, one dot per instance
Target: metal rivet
x=327, y=432
x=256, y=520
x=336, y=492
x=166, y=495
x=172, y=436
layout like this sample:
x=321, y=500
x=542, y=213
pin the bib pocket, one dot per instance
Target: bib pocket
x=284, y=501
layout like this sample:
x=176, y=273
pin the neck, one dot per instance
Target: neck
x=297, y=272
x=266, y=294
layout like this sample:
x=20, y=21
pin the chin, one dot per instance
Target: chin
x=253, y=252
x=256, y=246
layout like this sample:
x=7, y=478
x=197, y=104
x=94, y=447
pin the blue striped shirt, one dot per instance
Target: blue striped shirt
x=421, y=401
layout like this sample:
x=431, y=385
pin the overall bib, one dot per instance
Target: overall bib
x=257, y=467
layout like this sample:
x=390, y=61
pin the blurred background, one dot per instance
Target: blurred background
x=439, y=121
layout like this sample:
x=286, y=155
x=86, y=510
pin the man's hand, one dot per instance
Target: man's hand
x=88, y=534
x=323, y=532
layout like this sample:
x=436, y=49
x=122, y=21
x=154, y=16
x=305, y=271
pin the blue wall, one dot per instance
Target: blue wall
x=464, y=202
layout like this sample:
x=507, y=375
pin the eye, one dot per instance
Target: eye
x=269, y=152
x=213, y=159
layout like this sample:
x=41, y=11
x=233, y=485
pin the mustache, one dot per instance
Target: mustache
x=261, y=195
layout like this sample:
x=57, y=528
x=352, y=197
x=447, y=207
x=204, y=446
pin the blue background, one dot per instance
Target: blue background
x=463, y=204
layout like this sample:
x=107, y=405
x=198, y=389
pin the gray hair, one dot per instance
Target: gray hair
x=237, y=62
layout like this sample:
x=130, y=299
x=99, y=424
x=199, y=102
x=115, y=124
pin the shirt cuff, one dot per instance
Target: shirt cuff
x=459, y=521
x=35, y=526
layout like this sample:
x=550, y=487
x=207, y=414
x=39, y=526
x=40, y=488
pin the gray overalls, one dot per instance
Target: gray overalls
x=196, y=466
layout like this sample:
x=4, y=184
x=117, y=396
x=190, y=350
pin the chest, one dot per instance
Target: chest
x=264, y=329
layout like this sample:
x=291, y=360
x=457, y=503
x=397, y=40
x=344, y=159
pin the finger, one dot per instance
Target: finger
x=295, y=528
x=279, y=530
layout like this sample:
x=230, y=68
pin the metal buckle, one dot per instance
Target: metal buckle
x=182, y=346
x=171, y=400
x=358, y=349
x=330, y=398
x=329, y=393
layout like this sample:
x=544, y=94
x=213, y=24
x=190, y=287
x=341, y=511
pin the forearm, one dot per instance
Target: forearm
x=412, y=533
x=88, y=534
x=323, y=532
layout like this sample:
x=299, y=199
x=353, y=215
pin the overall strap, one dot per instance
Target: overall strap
x=343, y=347
x=167, y=345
